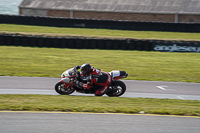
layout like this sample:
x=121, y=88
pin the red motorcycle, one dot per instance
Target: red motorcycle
x=66, y=85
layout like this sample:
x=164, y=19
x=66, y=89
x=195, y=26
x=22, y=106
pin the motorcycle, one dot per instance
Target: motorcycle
x=66, y=85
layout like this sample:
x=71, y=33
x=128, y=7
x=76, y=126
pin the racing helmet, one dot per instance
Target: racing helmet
x=86, y=69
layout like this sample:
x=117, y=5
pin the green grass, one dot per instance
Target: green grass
x=55, y=31
x=99, y=104
x=140, y=65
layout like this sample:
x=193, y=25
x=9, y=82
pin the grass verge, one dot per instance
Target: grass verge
x=96, y=33
x=140, y=65
x=99, y=104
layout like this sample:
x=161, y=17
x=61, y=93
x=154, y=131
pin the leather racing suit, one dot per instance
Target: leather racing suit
x=100, y=78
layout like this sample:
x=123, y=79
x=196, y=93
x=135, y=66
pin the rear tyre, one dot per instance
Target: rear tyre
x=62, y=90
x=118, y=89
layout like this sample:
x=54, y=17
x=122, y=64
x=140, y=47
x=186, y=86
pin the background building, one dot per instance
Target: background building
x=134, y=10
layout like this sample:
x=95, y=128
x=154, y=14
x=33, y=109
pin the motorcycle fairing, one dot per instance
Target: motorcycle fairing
x=116, y=74
x=66, y=80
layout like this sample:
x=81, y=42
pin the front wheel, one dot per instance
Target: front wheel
x=118, y=89
x=63, y=89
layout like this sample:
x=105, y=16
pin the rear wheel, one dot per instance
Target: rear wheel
x=118, y=89
x=62, y=89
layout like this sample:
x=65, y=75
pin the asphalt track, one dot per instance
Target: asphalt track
x=55, y=122
x=51, y=122
x=144, y=89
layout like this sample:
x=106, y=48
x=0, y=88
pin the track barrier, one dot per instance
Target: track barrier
x=99, y=43
x=100, y=24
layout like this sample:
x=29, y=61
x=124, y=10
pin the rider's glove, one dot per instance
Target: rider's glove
x=77, y=67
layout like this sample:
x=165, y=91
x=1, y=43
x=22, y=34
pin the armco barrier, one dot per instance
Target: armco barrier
x=99, y=43
x=103, y=24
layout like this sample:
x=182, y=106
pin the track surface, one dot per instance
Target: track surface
x=15, y=122
x=32, y=122
x=145, y=89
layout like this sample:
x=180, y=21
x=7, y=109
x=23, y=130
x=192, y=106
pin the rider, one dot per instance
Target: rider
x=94, y=76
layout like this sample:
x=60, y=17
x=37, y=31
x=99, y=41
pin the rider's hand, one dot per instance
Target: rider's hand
x=77, y=67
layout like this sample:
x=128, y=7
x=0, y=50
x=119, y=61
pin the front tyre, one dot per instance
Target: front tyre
x=118, y=89
x=62, y=89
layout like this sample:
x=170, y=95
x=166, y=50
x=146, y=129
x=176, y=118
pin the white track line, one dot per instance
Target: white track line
x=161, y=87
x=180, y=97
